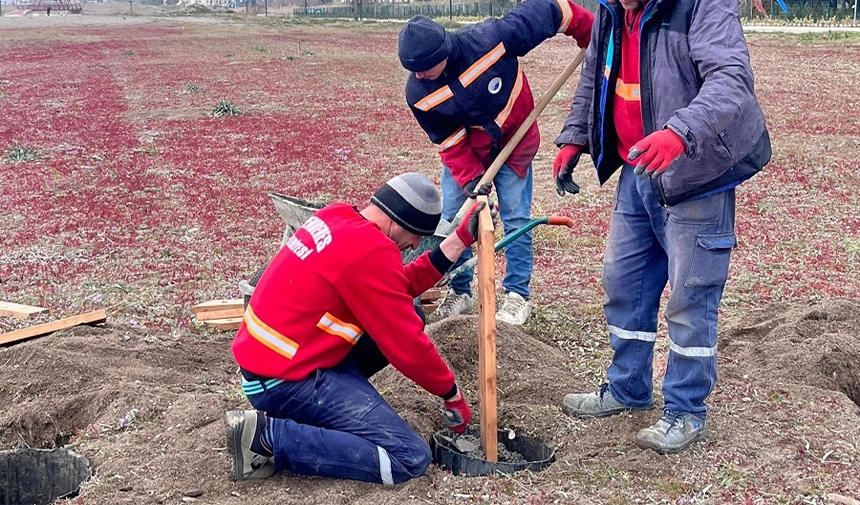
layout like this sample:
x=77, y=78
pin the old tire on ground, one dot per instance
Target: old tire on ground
x=537, y=456
x=41, y=476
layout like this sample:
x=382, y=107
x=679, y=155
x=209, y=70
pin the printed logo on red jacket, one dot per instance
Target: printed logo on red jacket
x=319, y=232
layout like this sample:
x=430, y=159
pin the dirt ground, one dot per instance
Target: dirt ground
x=787, y=401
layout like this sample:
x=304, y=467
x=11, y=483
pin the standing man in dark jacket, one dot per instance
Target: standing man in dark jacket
x=666, y=95
x=470, y=96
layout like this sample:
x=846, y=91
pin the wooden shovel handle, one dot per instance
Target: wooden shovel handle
x=500, y=160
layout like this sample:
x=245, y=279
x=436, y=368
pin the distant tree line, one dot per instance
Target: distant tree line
x=404, y=9
x=388, y=9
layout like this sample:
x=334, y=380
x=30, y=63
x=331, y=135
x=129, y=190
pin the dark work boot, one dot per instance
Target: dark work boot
x=248, y=458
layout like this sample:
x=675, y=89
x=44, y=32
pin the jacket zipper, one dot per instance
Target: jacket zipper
x=645, y=71
x=609, y=53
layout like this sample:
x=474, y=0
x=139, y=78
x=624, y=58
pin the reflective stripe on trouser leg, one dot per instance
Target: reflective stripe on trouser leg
x=700, y=236
x=452, y=199
x=385, y=467
x=515, y=202
x=634, y=276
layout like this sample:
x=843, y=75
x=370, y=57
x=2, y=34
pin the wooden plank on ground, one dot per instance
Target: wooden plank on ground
x=231, y=313
x=98, y=316
x=19, y=310
x=487, y=336
x=224, y=324
x=431, y=295
x=231, y=303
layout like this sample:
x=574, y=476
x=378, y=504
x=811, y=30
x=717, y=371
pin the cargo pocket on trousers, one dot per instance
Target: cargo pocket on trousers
x=710, y=266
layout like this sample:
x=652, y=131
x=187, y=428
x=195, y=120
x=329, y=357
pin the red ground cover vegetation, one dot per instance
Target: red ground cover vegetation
x=141, y=203
x=140, y=195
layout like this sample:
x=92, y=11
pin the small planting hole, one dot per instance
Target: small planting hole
x=40, y=476
x=840, y=366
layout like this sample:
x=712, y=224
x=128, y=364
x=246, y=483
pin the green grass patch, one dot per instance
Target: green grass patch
x=449, y=24
x=852, y=245
x=225, y=108
x=19, y=154
x=829, y=36
x=730, y=476
x=673, y=488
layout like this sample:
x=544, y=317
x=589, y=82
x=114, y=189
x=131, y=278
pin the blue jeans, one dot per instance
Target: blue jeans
x=689, y=246
x=515, y=201
x=335, y=424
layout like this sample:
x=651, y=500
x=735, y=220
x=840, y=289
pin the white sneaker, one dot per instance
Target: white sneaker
x=452, y=305
x=515, y=310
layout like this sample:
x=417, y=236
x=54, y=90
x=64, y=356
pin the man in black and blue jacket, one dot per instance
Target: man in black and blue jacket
x=667, y=97
x=470, y=95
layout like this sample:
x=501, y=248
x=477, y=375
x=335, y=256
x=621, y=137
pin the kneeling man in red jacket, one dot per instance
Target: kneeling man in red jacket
x=334, y=307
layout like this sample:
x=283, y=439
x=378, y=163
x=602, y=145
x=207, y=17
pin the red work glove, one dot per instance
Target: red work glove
x=457, y=413
x=656, y=152
x=467, y=231
x=562, y=169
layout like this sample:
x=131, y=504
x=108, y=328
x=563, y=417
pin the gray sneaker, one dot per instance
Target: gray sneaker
x=601, y=403
x=245, y=463
x=674, y=432
x=452, y=305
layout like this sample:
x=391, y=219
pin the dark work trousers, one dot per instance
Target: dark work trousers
x=689, y=246
x=335, y=424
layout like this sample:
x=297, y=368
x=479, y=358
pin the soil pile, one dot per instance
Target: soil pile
x=147, y=410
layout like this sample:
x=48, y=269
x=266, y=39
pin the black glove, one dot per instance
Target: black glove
x=562, y=169
x=484, y=190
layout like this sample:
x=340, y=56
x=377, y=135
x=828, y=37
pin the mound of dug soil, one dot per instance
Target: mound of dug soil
x=147, y=410
x=815, y=345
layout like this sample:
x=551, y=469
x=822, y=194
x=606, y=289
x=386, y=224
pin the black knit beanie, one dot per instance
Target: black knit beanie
x=412, y=201
x=422, y=44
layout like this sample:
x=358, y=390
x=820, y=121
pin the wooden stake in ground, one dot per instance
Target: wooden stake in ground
x=98, y=316
x=487, y=335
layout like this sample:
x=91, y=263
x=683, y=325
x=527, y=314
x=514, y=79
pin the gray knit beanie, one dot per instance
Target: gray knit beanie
x=412, y=201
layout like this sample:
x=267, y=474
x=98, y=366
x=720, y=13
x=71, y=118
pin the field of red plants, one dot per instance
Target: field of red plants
x=126, y=184
x=139, y=202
